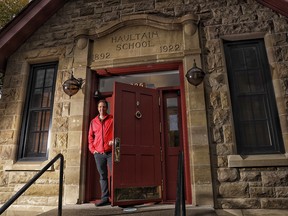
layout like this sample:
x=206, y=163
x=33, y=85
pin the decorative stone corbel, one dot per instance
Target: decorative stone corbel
x=190, y=24
x=82, y=39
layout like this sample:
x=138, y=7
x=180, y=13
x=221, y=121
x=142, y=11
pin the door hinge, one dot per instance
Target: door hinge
x=162, y=184
x=161, y=155
x=160, y=127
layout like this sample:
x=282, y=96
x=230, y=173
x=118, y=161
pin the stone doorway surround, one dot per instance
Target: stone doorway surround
x=144, y=40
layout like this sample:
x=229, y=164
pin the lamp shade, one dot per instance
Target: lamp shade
x=72, y=86
x=195, y=75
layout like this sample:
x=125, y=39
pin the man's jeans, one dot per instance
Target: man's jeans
x=102, y=160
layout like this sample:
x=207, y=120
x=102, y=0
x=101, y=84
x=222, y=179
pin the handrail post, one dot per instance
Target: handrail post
x=180, y=195
x=60, y=185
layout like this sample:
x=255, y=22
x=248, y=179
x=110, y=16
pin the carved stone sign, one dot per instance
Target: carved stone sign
x=137, y=41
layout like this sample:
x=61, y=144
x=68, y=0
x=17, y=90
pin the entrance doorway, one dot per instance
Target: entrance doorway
x=171, y=142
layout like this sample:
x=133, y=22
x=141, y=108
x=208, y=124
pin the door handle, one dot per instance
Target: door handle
x=117, y=149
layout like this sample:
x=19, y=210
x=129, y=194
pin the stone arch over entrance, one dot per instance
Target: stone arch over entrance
x=153, y=38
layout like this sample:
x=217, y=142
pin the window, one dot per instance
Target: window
x=38, y=112
x=172, y=121
x=256, y=119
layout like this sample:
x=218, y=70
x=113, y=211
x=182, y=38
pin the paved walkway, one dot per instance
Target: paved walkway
x=141, y=210
x=160, y=210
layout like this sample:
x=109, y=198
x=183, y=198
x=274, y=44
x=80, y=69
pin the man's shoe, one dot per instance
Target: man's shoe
x=103, y=203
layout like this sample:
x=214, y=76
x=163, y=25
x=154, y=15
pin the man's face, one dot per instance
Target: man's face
x=102, y=108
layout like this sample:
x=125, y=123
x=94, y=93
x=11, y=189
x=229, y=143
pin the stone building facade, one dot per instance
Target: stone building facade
x=219, y=177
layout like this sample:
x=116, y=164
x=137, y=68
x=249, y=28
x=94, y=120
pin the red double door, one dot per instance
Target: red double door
x=144, y=167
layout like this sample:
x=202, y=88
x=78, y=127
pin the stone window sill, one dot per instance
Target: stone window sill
x=258, y=160
x=28, y=166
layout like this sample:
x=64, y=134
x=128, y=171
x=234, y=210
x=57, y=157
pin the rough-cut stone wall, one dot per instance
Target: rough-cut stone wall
x=233, y=187
x=242, y=187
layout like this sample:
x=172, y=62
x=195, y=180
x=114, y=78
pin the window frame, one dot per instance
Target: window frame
x=28, y=108
x=274, y=124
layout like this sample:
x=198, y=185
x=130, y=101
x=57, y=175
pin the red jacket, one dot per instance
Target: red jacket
x=100, y=133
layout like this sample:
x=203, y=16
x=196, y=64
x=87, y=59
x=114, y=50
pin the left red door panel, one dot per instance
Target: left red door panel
x=136, y=172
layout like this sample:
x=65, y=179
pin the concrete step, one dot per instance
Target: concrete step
x=140, y=210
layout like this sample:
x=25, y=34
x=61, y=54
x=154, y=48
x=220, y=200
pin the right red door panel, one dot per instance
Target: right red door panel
x=173, y=141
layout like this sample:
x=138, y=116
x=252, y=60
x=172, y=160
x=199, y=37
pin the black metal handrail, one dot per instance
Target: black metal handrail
x=38, y=175
x=180, y=196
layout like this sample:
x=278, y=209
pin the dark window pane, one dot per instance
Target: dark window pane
x=32, y=144
x=35, y=121
x=34, y=134
x=46, y=97
x=252, y=108
x=242, y=81
x=258, y=107
x=46, y=120
x=245, y=113
x=49, y=77
x=263, y=134
x=172, y=120
x=248, y=134
x=250, y=55
x=237, y=54
x=43, y=142
x=255, y=81
x=39, y=78
x=36, y=98
x=255, y=134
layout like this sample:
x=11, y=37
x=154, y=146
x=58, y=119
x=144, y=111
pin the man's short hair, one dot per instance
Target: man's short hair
x=102, y=101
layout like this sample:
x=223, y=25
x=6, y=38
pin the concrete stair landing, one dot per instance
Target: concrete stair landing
x=140, y=210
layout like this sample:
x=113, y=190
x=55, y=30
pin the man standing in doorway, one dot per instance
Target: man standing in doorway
x=100, y=139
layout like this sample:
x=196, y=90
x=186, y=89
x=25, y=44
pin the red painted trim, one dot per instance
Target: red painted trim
x=280, y=6
x=185, y=137
x=164, y=193
x=138, y=69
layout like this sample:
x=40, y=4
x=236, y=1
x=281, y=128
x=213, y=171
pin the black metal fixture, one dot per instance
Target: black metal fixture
x=72, y=85
x=97, y=94
x=195, y=75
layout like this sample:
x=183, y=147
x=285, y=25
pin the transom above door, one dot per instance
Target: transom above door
x=148, y=80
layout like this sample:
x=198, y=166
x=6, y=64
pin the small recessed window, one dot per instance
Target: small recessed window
x=38, y=112
x=256, y=118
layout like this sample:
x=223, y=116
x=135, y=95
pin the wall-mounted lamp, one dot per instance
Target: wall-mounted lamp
x=195, y=75
x=72, y=85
